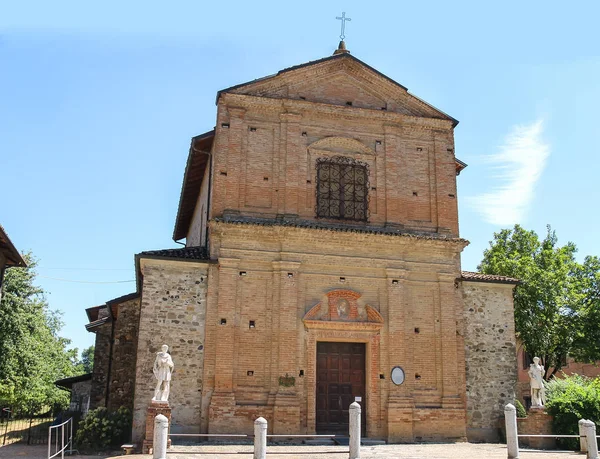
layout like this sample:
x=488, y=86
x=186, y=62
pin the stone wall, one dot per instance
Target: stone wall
x=172, y=312
x=101, y=361
x=125, y=342
x=80, y=396
x=491, y=356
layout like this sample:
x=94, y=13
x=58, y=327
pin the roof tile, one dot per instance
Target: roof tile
x=480, y=277
x=187, y=253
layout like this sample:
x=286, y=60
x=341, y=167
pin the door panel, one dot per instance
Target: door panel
x=340, y=378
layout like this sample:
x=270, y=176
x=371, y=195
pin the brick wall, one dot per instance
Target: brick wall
x=172, y=312
x=275, y=275
x=266, y=148
x=491, y=359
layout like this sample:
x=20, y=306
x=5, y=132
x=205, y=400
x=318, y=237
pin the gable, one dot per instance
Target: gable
x=340, y=79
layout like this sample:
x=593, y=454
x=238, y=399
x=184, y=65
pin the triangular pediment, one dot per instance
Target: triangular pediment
x=341, y=80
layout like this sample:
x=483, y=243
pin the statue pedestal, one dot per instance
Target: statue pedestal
x=154, y=409
x=537, y=422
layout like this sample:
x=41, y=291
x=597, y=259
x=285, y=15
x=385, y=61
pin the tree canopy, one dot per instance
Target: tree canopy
x=32, y=354
x=87, y=359
x=557, y=298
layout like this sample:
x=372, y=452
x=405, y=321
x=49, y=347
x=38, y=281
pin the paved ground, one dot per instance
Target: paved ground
x=437, y=451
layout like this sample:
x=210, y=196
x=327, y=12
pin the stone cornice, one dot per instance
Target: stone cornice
x=179, y=263
x=346, y=326
x=281, y=227
x=353, y=113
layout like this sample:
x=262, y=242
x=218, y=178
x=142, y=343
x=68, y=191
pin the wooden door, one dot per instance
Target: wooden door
x=340, y=378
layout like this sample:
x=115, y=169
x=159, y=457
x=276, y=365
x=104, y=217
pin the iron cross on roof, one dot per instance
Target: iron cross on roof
x=343, y=19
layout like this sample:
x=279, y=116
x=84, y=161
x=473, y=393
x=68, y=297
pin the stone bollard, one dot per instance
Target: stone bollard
x=512, y=441
x=161, y=430
x=592, y=445
x=582, y=437
x=355, y=430
x=260, y=438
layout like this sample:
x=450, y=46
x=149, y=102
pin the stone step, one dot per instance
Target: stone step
x=372, y=442
x=319, y=442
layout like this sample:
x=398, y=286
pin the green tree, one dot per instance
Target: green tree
x=87, y=359
x=586, y=341
x=32, y=354
x=548, y=300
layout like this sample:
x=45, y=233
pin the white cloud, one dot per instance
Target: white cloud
x=516, y=168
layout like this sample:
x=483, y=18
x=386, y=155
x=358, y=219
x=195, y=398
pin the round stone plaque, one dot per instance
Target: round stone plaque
x=397, y=375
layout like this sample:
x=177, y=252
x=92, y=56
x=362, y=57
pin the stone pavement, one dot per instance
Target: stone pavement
x=413, y=451
x=19, y=451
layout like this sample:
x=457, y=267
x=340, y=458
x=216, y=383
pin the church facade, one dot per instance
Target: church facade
x=322, y=266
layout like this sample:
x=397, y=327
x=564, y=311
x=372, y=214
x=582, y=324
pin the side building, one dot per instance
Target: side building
x=9, y=256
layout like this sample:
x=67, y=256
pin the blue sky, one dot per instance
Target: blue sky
x=98, y=101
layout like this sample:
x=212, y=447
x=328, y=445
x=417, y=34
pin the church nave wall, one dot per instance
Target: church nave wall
x=173, y=309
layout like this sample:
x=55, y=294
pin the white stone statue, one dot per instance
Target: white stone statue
x=538, y=391
x=163, y=367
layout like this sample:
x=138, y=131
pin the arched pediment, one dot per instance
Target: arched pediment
x=342, y=308
x=344, y=145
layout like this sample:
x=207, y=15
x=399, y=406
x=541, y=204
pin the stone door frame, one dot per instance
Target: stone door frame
x=348, y=333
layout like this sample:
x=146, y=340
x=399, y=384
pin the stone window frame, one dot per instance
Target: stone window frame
x=323, y=211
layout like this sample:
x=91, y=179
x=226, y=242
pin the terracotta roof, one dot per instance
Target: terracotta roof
x=343, y=227
x=96, y=323
x=197, y=162
x=93, y=312
x=13, y=257
x=68, y=382
x=185, y=253
x=122, y=299
x=459, y=165
x=470, y=276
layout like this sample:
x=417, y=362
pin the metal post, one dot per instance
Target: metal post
x=71, y=437
x=5, y=432
x=355, y=430
x=62, y=445
x=592, y=444
x=582, y=437
x=512, y=441
x=50, y=441
x=161, y=431
x=29, y=429
x=260, y=438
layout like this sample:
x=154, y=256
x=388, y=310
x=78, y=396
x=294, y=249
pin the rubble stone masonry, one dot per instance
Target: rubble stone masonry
x=101, y=362
x=490, y=358
x=173, y=306
x=125, y=342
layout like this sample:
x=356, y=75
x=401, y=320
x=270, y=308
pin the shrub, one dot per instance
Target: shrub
x=521, y=413
x=569, y=399
x=101, y=429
